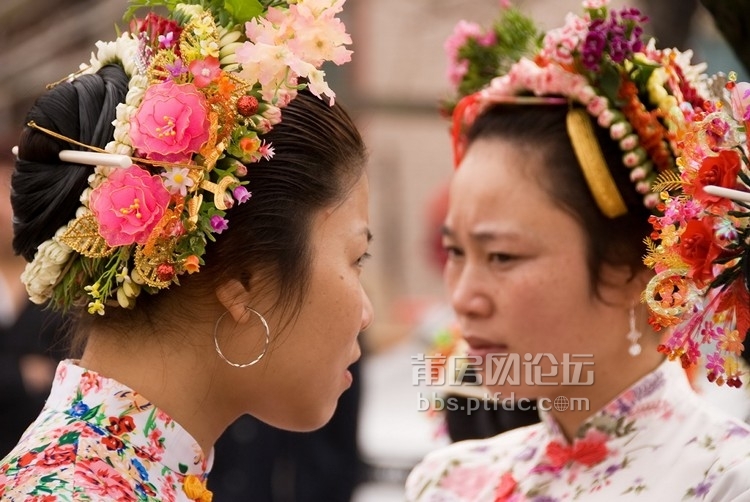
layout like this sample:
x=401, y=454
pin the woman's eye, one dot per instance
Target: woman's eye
x=362, y=259
x=452, y=251
x=501, y=257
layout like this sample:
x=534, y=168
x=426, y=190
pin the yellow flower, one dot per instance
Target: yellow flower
x=196, y=490
x=96, y=307
x=93, y=290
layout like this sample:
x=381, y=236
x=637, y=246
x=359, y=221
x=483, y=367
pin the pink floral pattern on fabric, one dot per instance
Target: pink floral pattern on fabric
x=98, y=440
x=128, y=205
x=635, y=448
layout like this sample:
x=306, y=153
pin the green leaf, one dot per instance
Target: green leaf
x=69, y=438
x=243, y=10
x=609, y=82
x=91, y=413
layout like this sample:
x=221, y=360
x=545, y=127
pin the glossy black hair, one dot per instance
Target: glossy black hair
x=319, y=156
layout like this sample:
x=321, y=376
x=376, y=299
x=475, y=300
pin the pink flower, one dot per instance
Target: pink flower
x=172, y=122
x=205, y=71
x=463, y=31
x=102, y=481
x=241, y=194
x=467, y=481
x=219, y=224
x=266, y=150
x=128, y=205
x=318, y=36
x=740, y=96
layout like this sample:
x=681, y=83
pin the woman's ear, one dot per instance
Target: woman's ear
x=621, y=285
x=234, y=297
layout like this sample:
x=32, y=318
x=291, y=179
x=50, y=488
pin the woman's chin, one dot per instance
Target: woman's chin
x=303, y=420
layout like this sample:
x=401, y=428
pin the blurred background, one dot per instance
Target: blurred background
x=392, y=88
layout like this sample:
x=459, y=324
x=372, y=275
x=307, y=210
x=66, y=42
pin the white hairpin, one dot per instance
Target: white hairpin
x=91, y=158
x=728, y=193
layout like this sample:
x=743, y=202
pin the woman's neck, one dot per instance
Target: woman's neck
x=609, y=383
x=177, y=378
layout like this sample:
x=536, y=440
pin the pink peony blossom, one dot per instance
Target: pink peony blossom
x=128, y=205
x=172, y=122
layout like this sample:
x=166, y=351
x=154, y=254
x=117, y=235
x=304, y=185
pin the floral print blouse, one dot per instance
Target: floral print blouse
x=97, y=440
x=657, y=441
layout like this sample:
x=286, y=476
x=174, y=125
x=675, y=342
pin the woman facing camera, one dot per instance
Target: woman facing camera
x=201, y=206
x=561, y=158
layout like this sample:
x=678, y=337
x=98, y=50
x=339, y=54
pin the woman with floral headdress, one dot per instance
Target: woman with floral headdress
x=198, y=201
x=578, y=153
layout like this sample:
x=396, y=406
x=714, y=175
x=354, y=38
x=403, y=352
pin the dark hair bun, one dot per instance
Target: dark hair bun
x=45, y=192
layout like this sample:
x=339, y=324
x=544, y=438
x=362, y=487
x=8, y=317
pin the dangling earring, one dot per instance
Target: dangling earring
x=633, y=335
x=265, y=345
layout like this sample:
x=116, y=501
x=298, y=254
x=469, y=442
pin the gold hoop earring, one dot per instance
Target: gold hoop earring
x=265, y=345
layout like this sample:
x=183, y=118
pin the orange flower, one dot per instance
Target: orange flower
x=191, y=264
x=196, y=490
x=651, y=133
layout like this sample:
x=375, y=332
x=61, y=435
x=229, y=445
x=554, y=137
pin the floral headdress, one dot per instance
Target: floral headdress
x=205, y=84
x=642, y=95
x=700, y=247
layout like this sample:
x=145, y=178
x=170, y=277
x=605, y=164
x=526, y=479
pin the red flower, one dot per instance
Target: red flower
x=698, y=248
x=27, y=458
x=113, y=443
x=121, y=425
x=721, y=171
x=140, y=452
x=153, y=26
x=505, y=488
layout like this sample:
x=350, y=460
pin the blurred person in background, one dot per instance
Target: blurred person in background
x=29, y=335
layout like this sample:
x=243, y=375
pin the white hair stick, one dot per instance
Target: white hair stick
x=90, y=158
x=95, y=159
x=727, y=192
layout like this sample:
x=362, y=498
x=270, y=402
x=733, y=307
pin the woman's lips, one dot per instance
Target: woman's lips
x=482, y=347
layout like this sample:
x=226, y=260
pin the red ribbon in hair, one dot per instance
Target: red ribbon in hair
x=464, y=115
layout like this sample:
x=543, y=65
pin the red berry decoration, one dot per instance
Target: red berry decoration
x=247, y=106
x=165, y=271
